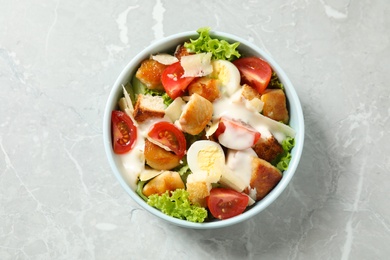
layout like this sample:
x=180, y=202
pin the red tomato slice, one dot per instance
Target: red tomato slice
x=226, y=203
x=254, y=72
x=124, y=132
x=235, y=134
x=173, y=82
x=169, y=135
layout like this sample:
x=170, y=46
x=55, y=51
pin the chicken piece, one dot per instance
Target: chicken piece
x=181, y=51
x=268, y=148
x=275, y=106
x=264, y=177
x=158, y=158
x=198, y=192
x=147, y=107
x=166, y=181
x=205, y=87
x=196, y=114
x=149, y=73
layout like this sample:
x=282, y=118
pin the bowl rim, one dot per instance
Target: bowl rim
x=294, y=104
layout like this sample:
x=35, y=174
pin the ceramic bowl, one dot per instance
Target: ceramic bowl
x=246, y=49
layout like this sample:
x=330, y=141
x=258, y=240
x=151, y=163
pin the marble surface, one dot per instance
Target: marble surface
x=58, y=196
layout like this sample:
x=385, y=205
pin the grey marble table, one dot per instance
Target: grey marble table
x=58, y=196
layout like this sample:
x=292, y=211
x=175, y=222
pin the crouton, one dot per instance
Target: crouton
x=251, y=98
x=148, y=106
x=264, y=177
x=196, y=114
x=268, y=148
x=275, y=106
x=166, y=181
x=198, y=192
x=205, y=87
x=249, y=93
x=149, y=73
x=158, y=158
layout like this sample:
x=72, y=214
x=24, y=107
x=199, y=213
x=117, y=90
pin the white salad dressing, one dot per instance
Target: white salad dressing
x=134, y=161
x=225, y=107
x=240, y=161
x=236, y=138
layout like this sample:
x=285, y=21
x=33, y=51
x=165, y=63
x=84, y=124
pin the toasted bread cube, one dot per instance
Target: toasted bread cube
x=249, y=93
x=264, y=177
x=147, y=107
x=166, y=181
x=158, y=158
x=268, y=148
x=275, y=106
x=205, y=87
x=252, y=98
x=198, y=192
x=196, y=114
x=149, y=73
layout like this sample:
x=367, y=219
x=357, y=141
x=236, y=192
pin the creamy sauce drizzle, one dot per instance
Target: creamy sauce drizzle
x=225, y=107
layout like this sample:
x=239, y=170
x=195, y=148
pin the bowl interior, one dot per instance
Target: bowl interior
x=247, y=49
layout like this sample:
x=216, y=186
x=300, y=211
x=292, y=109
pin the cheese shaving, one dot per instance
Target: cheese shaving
x=197, y=65
x=165, y=58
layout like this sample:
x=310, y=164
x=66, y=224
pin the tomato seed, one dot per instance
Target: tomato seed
x=124, y=130
x=167, y=135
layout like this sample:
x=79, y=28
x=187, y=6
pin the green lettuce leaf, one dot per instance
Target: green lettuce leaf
x=167, y=99
x=220, y=49
x=153, y=92
x=183, y=169
x=282, y=161
x=275, y=82
x=140, y=186
x=178, y=205
x=137, y=87
x=282, y=165
x=288, y=144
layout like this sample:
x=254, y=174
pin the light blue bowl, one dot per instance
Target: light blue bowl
x=246, y=48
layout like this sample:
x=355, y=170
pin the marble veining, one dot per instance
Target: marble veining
x=158, y=17
x=51, y=27
x=333, y=12
x=58, y=196
x=122, y=24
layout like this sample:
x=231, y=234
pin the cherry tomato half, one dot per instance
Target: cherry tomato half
x=169, y=135
x=235, y=134
x=254, y=72
x=173, y=82
x=226, y=203
x=124, y=132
